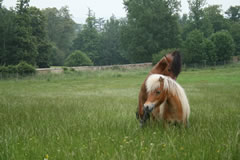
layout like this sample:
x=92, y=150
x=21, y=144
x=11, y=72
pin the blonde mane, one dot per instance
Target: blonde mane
x=171, y=86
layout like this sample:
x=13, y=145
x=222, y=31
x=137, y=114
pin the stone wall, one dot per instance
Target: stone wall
x=94, y=68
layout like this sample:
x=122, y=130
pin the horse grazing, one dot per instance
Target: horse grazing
x=169, y=65
x=166, y=100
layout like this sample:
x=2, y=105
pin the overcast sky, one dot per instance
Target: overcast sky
x=104, y=8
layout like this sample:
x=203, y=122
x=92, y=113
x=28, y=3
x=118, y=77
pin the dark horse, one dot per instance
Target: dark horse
x=169, y=65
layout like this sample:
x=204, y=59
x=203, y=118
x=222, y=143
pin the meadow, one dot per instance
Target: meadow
x=91, y=115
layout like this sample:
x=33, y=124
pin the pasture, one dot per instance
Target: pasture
x=91, y=115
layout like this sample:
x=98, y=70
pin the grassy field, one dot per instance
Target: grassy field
x=92, y=116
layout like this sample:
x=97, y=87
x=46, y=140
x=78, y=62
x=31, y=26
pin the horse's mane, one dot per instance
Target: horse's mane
x=153, y=82
x=170, y=85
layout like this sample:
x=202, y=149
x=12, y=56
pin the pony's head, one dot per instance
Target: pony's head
x=156, y=85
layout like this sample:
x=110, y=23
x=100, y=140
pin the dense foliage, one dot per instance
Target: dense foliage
x=42, y=38
x=22, y=68
x=78, y=58
x=60, y=32
x=151, y=27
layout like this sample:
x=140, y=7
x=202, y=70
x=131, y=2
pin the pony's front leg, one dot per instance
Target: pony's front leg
x=186, y=124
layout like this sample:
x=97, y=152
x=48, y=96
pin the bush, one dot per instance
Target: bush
x=3, y=69
x=78, y=58
x=225, y=46
x=209, y=50
x=24, y=68
x=158, y=56
x=11, y=69
x=193, y=48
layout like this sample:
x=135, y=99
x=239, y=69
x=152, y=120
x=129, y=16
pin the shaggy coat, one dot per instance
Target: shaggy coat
x=169, y=65
x=167, y=99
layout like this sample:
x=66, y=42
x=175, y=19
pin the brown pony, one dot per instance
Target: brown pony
x=169, y=65
x=166, y=100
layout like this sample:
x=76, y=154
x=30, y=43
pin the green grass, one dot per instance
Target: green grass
x=91, y=115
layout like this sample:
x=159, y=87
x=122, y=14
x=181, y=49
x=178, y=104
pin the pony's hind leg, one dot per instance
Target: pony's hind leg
x=187, y=124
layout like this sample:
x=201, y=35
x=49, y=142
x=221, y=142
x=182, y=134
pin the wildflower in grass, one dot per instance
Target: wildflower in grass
x=46, y=157
x=151, y=144
x=218, y=151
x=73, y=153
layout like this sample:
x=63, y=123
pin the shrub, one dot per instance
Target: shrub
x=193, y=48
x=3, y=69
x=65, y=69
x=78, y=58
x=12, y=69
x=225, y=46
x=24, y=68
x=158, y=56
x=209, y=50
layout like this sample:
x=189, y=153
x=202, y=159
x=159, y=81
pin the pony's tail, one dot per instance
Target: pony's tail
x=177, y=63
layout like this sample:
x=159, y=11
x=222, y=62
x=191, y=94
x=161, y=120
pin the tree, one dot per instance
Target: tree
x=201, y=18
x=235, y=32
x=88, y=39
x=111, y=51
x=206, y=26
x=209, y=50
x=1, y=1
x=57, y=56
x=186, y=26
x=7, y=37
x=193, y=48
x=78, y=58
x=213, y=14
x=60, y=32
x=38, y=23
x=233, y=13
x=23, y=36
x=196, y=11
x=26, y=49
x=224, y=45
x=151, y=26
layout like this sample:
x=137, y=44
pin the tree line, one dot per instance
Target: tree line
x=50, y=37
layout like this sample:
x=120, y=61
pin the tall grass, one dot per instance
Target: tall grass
x=91, y=115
